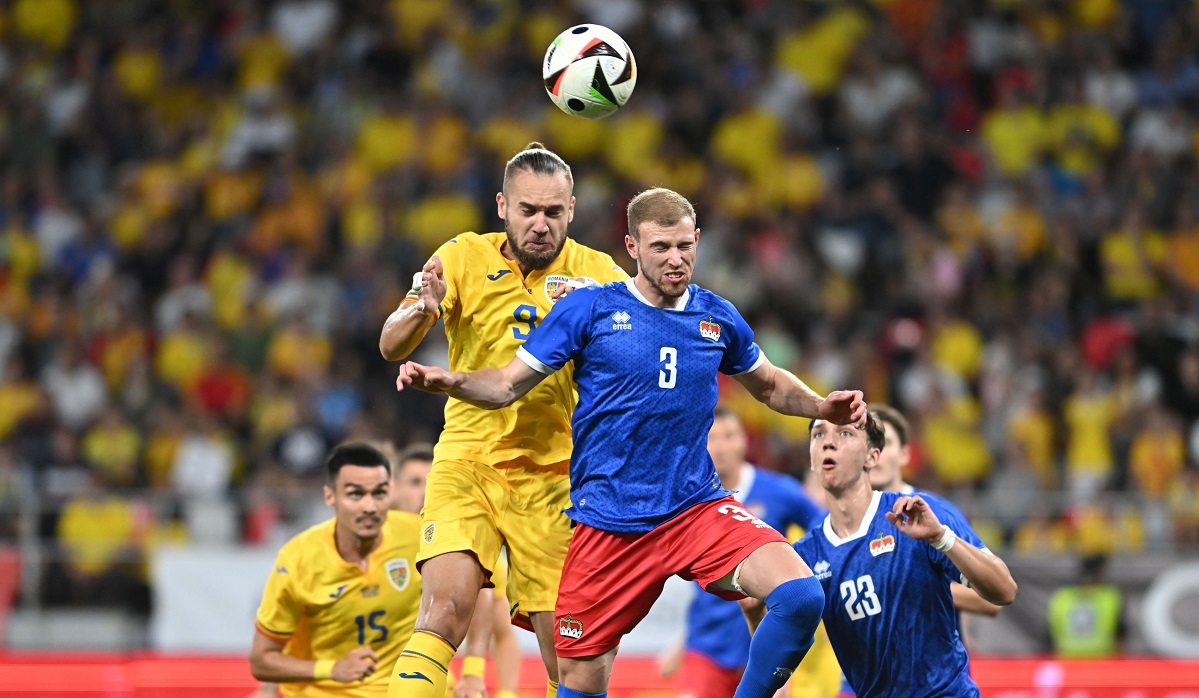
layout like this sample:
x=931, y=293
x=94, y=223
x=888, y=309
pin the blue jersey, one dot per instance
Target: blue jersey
x=647, y=388
x=716, y=627
x=888, y=609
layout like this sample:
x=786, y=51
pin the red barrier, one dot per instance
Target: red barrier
x=158, y=676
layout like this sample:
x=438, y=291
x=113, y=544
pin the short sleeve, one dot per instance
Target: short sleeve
x=561, y=334
x=278, y=614
x=949, y=515
x=451, y=255
x=741, y=354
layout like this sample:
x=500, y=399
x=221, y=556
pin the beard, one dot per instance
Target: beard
x=665, y=291
x=532, y=260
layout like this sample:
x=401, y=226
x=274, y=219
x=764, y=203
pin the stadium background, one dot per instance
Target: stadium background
x=983, y=212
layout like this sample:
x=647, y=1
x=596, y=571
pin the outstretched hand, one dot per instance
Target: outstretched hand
x=429, y=379
x=844, y=407
x=915, y=519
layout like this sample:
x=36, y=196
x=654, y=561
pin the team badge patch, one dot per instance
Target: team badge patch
x=708, y=329
x=882, y=544
x=428, y=532
x=570, y=627
x=399, y=573
x=552, y=282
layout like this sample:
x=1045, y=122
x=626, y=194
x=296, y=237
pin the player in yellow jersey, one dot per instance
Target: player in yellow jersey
x=343, y=594
x=499, y=477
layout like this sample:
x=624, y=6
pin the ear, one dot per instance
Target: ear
x=872, y=457
x=697, y=236
x=328, y=495
x=501, y=205
x=905, y=456
x=570, y=210
x=631, y=246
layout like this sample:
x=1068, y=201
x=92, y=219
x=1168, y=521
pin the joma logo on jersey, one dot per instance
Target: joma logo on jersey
x=882, y=544
x=568, y=626
x=620, y=320
x=708, y=329
x=740, y=514
x=822, y=570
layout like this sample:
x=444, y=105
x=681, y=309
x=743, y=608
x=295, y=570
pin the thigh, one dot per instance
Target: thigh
x=700, y=677
x=459, y=515
x=609, y=583
x=537, y=534
x=711, y=539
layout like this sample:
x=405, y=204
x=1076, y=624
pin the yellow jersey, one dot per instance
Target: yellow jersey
x=489, y=310
x=323, y=606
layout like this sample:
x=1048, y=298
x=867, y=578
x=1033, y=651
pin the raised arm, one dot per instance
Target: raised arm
x=987, y=574
x=783, y=392
x=409, y=323
x=489, y=388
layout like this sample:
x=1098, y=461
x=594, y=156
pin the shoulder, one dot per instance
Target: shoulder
x=467, y=246
x=307, y=543
x=940, y=504
x=810, y=541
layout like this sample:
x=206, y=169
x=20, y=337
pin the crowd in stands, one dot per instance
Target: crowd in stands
x=985, y=213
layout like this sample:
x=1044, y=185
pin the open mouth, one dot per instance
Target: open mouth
x=675, y=276
x=828, y=463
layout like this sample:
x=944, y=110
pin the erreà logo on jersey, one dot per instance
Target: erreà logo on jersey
x=708, y=329
x=882, y=544
x=822, y=570
x=568, y=626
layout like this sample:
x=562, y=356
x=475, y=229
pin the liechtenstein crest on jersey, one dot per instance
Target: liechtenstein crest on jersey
x=552, y=282
x=708, y=329
x=882, y=544
x=399, y=573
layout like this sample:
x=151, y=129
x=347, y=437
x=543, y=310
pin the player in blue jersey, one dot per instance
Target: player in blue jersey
x=645, y=497
x=712, y=658
x=885, y=559
x=887, y=476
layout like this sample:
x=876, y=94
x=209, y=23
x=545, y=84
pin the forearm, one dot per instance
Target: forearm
x=787, y=394
x=754, y=611
x=986, y=573
x=404, y=330
x=487, y=388
x=277, y=667
x=478, y=633
x=968, y=600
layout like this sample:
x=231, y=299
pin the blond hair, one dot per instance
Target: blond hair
x=660, y=206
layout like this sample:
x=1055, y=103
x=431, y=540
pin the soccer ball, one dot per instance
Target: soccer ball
x=589, y=71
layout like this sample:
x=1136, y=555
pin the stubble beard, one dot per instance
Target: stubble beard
x=529, y=259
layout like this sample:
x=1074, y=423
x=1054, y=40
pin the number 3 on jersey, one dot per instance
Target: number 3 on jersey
x=666, y=376
x=868, y=605
x=525, y=315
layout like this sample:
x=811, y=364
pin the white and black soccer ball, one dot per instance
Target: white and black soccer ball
x=589, y=71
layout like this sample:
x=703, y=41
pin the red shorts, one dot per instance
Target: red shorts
x=610, y=580
x=700, y=677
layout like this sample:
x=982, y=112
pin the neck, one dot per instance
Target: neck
x=652, y=294
x=732, y=478
x=895, y=485
x=506, y=251
x=354, y=549
x=847, y=506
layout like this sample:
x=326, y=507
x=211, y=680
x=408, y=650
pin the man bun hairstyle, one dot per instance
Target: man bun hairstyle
x=538, y=159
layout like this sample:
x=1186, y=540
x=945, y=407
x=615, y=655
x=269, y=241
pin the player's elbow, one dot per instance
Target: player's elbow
x=1004, y=593
x=390, y=349
x=258, y=667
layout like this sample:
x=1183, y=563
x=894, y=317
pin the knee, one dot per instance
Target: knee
x=801, y=599
x=448, y=613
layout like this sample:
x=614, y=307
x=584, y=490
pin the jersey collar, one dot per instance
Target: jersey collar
x=863, y=528
x=745, y=482
x=680, y=304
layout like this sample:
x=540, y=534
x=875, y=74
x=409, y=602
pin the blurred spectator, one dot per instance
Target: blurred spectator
x=1086, y=620
x=76, y=388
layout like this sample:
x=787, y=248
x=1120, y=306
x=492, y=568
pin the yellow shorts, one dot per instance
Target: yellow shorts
x=478, y=508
